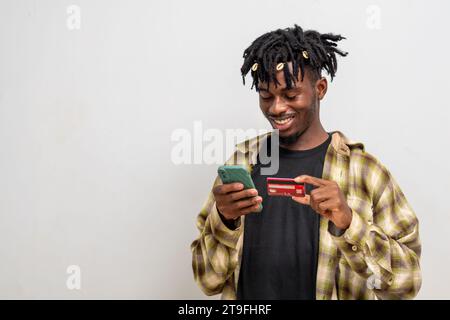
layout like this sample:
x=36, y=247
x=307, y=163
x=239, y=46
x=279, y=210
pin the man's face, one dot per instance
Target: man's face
x=292, y=111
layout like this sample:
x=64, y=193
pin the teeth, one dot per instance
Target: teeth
x=283, y=121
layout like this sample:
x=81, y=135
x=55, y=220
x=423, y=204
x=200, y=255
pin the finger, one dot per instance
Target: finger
x=316, y=206
x=311, y=180
x=251, y=209
x=320, y=194
x=307, y=201
x=303, y=200
x=241, y=204
x=229, y=187
x=328, y=206
x=234, y=196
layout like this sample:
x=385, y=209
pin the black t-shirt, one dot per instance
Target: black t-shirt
x=280, y=253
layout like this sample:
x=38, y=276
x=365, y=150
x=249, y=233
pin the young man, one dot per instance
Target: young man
x=353, y=236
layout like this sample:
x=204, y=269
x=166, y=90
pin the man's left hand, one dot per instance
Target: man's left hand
x=327, y=199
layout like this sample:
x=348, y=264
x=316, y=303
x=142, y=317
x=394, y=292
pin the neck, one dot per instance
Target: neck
x=314, y=136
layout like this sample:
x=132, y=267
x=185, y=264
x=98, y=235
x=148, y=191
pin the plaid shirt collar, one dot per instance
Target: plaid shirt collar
x=339, y=143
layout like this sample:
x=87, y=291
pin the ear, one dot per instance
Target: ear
x=321, y=87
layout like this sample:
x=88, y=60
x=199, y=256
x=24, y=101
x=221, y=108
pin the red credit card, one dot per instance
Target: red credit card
x=285, y=187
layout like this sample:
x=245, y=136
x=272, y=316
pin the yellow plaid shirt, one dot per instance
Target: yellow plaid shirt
x=377, y=257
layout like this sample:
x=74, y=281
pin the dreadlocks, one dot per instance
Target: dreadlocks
x=305, y=49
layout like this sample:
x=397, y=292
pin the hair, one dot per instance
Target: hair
x=305, y=49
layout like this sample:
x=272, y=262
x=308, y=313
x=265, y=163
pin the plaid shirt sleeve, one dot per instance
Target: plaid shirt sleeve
x=382, y=242
x=214, y=253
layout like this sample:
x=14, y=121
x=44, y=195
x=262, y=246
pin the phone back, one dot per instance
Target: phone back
x=230, y=174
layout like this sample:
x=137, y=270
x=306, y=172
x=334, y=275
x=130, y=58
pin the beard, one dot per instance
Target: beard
x=291, y=139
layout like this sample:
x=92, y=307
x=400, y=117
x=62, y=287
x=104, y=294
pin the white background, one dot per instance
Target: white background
x=86, y=117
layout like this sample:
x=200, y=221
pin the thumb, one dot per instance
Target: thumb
x=303, y=200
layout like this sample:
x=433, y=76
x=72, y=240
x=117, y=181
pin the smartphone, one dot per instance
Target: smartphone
x=237, y=173
x=285, y=187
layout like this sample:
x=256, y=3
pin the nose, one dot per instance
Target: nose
x=278, y=106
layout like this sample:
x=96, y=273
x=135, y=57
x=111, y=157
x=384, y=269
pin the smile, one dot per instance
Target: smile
x=283, y=123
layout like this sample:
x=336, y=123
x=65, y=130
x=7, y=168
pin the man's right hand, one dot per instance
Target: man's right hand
x=233, y=201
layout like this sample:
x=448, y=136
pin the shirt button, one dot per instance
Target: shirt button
x=354, y=248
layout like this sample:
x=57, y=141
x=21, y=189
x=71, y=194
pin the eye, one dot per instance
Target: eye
x=291, y=97
x=265, y=98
